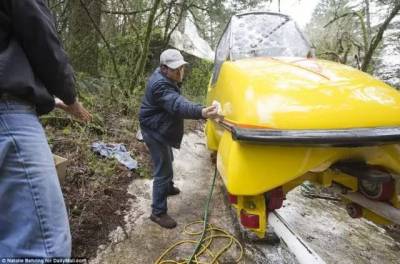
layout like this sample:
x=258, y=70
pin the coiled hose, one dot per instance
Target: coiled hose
x=208, y=234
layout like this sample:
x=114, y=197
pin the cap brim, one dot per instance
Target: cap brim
x=176, y=64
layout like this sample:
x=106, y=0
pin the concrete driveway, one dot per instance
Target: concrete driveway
x=326, y=227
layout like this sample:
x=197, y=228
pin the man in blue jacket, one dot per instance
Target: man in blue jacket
x=34, y=69
x=162, y=112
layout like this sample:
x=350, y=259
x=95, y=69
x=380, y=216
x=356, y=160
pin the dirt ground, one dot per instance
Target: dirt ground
x=323, y=224
x=94, y=188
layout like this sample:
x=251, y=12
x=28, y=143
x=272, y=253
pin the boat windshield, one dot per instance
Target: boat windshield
x=265, y=34
x=260, y=34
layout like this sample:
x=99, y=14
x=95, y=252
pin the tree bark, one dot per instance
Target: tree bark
x=143, y=57
x=368, y=17
x=377, y=39
x=83, y=36
x=98, y=31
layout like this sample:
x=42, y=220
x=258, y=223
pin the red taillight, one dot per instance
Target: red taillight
x=232, y=198
x=249, y=220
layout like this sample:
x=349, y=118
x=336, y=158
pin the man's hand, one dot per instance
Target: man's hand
x=210, y=112
x=76, y=110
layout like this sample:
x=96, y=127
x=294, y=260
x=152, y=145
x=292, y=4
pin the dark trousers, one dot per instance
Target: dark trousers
x=162, y=157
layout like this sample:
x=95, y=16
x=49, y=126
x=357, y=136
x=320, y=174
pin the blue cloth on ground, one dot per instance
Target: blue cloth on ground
x=117, y=151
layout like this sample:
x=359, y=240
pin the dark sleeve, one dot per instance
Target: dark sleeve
x=176, y=104
x=33, y=26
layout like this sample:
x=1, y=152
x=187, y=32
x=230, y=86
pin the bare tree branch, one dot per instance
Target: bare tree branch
x=125, y=13
x=362, y=23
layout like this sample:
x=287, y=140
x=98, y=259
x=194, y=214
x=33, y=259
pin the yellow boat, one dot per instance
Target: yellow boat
x=289, y=117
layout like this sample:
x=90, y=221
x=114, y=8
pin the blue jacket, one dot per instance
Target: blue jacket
x=163, y=110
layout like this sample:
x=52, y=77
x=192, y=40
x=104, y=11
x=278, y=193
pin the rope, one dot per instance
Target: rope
x=208, y=235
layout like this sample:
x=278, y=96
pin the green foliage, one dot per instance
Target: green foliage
x=110, y=43
x=101, y=166
x=114, y=121
x=196, y=83
x=144, y=172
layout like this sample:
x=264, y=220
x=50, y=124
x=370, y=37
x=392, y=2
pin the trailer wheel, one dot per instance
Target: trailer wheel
x=378, y=191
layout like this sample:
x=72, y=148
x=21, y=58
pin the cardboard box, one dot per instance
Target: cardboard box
x=61, y=167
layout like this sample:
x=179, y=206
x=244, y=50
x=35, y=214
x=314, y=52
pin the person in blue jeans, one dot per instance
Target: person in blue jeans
x=161, y=117
x=34, y=73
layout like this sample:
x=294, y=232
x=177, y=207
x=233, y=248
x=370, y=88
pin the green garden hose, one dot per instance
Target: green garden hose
x=203, y=244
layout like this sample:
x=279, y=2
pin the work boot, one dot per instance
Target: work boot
x=163, y=220
x=173, y=191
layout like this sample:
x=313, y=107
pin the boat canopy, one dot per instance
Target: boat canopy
x=260, y=34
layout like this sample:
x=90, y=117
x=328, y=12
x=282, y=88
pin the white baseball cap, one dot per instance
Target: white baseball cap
x=172, y=58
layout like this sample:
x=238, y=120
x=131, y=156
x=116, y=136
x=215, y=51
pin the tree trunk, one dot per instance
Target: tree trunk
x=377, y=39
x=143, y=57
x=84, y=39
x=368, y=16
x=182, y=14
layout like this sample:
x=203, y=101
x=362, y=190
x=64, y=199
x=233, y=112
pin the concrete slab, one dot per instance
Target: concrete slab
x=322, y=224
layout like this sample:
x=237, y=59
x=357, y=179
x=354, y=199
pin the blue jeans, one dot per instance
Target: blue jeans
x=33, y=217
x=162, y=157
